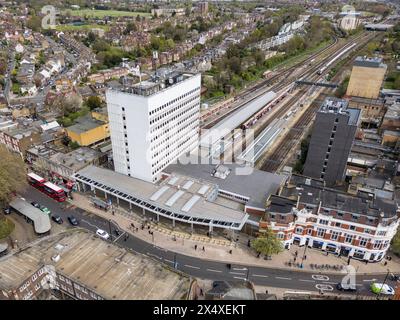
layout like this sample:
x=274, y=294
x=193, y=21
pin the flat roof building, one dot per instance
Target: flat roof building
x=331, y=141
x=366, y=77
x=77, y=264
x=154, y=122
x=177, y=197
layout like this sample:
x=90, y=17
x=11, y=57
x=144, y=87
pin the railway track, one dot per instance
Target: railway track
x=279, y=155
x=285, y=77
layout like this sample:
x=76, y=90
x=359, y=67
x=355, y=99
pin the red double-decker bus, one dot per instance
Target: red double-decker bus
x=54, y=191
x=35, y=180
x=48, y=188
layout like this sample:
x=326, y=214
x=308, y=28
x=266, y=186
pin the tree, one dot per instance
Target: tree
x=131, y=26
x=93, y=102
x=267, y=244
x=12, y=174
x=395, y=247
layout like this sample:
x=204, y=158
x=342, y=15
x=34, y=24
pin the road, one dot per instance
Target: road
x=205, y=269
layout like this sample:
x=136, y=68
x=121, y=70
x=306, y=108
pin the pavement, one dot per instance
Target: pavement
x=210, y=264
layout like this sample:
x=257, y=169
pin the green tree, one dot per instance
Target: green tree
x=12, y=174
x=267, y=244
x=93, y=102
x=395, y=245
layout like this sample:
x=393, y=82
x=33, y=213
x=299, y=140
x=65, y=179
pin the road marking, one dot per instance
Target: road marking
x=304, y=280
x=189, y=266
x=168, y=260
x=239, y=273
x=282, y=278
x=212, y=270
x=327, y=282
x=320, y=277
x=240, y=278
x=369, y=280
x=259, y=275
x=118, y=236
x=87, y=222
x=323, y=287
x=239, y=269
x=153, y=255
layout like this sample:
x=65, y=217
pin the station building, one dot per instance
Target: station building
x=307, y=213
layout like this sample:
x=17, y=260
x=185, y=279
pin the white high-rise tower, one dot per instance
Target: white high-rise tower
x=153, y=123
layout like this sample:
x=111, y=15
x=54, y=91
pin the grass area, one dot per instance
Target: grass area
x=105, y=13
x=302, y=56
x=6, y=227
x=70, y=27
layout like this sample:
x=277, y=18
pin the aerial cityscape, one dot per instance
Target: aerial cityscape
x=200, y=150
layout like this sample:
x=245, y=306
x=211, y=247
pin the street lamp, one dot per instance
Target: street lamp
x=109, y=226
x=304, y=255
x=384, y=281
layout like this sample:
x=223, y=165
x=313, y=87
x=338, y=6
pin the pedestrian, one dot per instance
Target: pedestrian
x=201, y=291
x=266, y=291
x=305, y=257
x=294, y=260
x=230, y=251
x=295, y=253
x=195, y=247
x=327, y=253
x=204, y=249
x=148, y=227
x=113, y=212
x=385, y=264
x=142, y=226
x=366, y=261
x=137, y=229
x=258, y=255
x=248, y=243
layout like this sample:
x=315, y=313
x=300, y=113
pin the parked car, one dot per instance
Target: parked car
x=57, y=219
x=102, y=234
x=347, y=287
x=72, y=220
x=45, y=210
x=382, y=288
x=35, y=204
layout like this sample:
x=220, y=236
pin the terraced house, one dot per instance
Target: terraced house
x=307, y=213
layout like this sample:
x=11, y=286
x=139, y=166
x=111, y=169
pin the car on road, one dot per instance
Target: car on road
x=72, y=220
x=35, y=204
x=45, y=209
x=102, y=234
x=346, y=287
x=382, y=288
x=57, y=219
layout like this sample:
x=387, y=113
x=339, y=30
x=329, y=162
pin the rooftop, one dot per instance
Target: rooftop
x=367, y=62
x=85, y=124
x=155, y=84
x=76, y=159
x=110, y=271
x=186, y=197
x=232, y=290
x=340, y=106
x=241, y=180
x=331, y=198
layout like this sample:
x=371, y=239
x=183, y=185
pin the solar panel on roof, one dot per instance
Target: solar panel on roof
x=203, y=190
x=173, y=181
x=175, y=197
x=188, y=184
x=188, y=205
